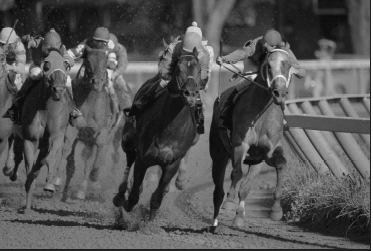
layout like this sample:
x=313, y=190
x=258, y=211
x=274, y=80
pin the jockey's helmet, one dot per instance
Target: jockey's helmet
x=8, y=34
x=192, y=38
x=101, y=34
x=52, y=40
x=273, y=38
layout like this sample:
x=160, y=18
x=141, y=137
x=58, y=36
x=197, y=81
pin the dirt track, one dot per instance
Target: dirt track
x=183, y=220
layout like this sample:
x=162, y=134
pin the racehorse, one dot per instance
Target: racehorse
x=164, y=133
x=256, y=133
x=44, y=119
x=7, y=94
x=99, y=123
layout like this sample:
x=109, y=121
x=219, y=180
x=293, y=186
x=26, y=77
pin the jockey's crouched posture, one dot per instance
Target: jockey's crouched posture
x=252, y=54
x=40, y=48
x=117, y=62
x=168, y=60
x=15, y=56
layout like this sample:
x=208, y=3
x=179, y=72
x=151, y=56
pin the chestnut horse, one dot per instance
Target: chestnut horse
x=256, y=133
x=44, y=119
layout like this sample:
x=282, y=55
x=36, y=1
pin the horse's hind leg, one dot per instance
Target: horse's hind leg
x=278, y=161
x=168, y=173
x=219, y=165
x=8, y=146
x=245, y=187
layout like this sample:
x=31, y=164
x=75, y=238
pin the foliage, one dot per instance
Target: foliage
x=327, y=203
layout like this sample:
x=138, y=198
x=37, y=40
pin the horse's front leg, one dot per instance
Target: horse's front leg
x=30, y=149
x=239, y=153
x=88, y=153
x=53, y=156
x=278, y=161
x=168, y=173
x=16, y=157
x=245, y=188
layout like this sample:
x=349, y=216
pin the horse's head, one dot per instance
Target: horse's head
x=95, y=67
x=188, y=76
x=55, y=74
x=277, y=70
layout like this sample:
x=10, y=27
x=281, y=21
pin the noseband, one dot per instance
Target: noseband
x=179, y=86
x=266, y=66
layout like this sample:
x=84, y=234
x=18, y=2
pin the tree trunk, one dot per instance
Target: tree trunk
x=359, y=19
x=216, y=22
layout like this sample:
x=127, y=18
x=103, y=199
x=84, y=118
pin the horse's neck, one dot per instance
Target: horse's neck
x=252, y=103
x=167, y=111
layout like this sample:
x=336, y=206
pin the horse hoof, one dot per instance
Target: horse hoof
x=80, y=195
x=180, y=184
x=58, y=181
x=49, y=188
x=25, y=210
x=229, y=205
x=118, y=200
x=276, y=214
x=7, y=171
x=238, y=221
x=14, y=176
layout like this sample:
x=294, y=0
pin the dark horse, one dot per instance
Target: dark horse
x=44, y=119
x=7, y=94
x=257, y=130
x=164, y=133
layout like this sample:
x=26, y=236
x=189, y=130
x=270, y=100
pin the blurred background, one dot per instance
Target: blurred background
x=330, y=37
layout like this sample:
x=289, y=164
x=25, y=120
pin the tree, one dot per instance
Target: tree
x=211, y=16
x=359, y=19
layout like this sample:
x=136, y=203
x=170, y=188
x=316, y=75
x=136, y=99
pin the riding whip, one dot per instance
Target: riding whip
x=220, y=50
x=14, y=26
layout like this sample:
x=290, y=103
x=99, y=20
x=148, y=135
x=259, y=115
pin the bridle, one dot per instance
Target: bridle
x=266, y=70
x=179, y=85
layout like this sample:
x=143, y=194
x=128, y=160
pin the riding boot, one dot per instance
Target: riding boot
x=75, y=112
x=200, y=119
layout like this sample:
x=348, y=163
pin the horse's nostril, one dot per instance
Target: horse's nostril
x=276, y=93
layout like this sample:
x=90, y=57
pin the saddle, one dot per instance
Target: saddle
x=226, y=104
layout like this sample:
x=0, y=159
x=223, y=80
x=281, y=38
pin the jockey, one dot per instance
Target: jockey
x=192, y=39
x=252, y=54
x=116, y=65
x=40, y=48
x=15, y=55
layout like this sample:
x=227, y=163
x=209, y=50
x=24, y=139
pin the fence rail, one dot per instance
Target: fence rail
x=331, y=133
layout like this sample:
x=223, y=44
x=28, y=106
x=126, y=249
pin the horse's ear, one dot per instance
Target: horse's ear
x=298, y=72
x=164, y=43
x=195, y=52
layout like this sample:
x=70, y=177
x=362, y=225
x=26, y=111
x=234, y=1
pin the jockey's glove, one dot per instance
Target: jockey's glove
x=219, y=60
x=164, y=83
